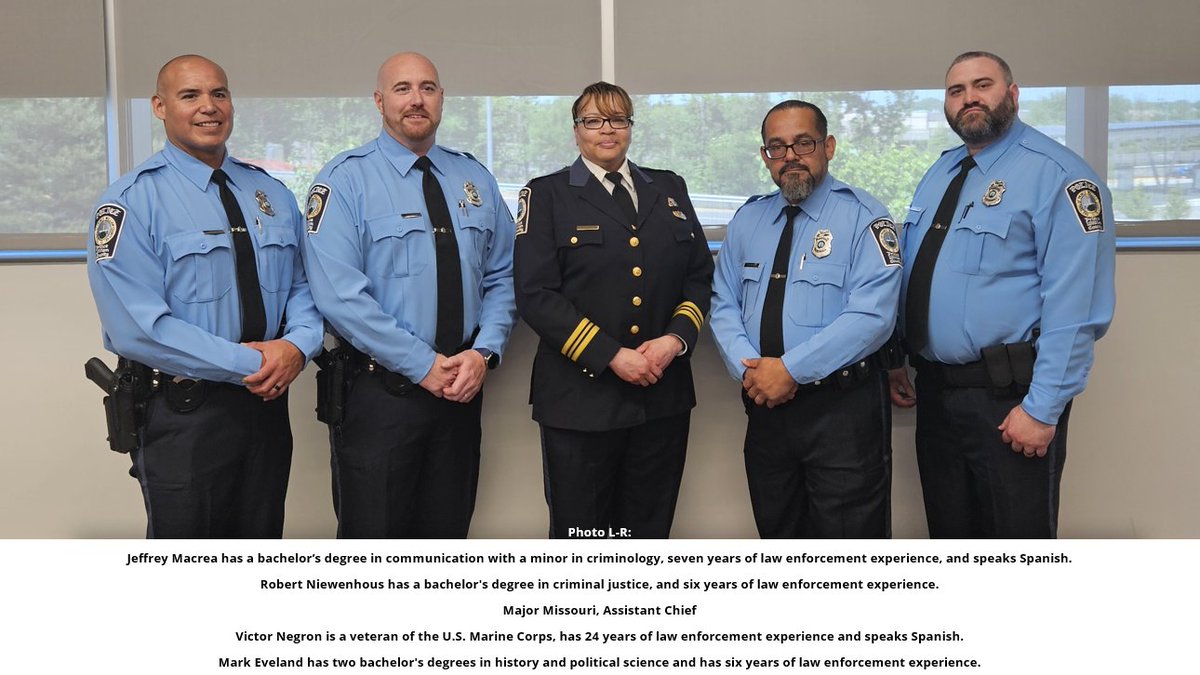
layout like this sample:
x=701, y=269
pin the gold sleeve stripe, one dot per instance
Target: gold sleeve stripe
x=691, y=311
x=567, y=347
x=583, y=343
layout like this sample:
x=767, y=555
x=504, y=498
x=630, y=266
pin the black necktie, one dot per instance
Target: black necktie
x=449, y=268
x=254, y=317
x=770, y=339
x=621, y=195
x=920, y=282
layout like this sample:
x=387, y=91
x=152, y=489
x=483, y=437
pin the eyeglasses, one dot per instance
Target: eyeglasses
x=618, y=122
x=802, y=147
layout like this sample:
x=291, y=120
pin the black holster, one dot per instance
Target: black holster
x=1010, y=367
x=127, y=390
x=333, y=382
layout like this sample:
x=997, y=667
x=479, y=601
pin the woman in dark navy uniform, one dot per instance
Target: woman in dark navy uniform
x=613, y=272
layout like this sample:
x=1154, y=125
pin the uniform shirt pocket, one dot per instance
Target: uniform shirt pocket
x=202, y=266
x=277, y=255
x=751, y=283
x=910, y=222
x=815, y=294
x=975, y=239
x=398, y=244
x=477, y=232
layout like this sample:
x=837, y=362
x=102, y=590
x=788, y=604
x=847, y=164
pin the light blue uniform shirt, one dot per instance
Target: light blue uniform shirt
x=371, y=259
x=1040, y=256
x=838, y=309
x=162, y=269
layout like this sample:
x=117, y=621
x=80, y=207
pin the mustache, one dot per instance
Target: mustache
x=975, y=106
x=794, y=165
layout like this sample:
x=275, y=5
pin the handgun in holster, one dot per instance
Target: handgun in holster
x=124, y=405
x=333, y=381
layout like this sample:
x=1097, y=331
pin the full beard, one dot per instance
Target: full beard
x=993, y=125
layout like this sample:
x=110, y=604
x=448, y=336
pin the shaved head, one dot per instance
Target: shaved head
x=164, y=73
x=399, y=63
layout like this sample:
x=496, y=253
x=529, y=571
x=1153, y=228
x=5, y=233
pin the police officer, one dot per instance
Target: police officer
x=804, y=296
x=410, y=253
x=193, y=263
x=1010, y=247
x=613, y=273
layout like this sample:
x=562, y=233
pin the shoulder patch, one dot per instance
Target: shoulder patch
x=314, y=210
x=1085, y=199
x=884, y=231
x=107, y=230
x=523, y=210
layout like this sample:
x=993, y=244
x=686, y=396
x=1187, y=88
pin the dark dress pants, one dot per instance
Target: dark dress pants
x=619, y=483
x=404, y=466
x=975, y=486
x=220, y=471
x=820, y=465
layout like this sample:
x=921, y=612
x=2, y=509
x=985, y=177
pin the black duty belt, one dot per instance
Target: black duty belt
x=1006, y=368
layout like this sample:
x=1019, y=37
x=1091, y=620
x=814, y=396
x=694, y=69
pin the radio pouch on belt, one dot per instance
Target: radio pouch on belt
x=332, y=381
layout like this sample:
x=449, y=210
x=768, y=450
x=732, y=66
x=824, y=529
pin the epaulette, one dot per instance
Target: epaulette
x=548, y=175
x=752, y=199
x=122, y=184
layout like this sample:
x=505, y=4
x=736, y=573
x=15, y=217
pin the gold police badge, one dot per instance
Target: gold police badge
x=994, y=193
x=472, y=194
x=671, y=203
x=822, y=243
x=264, y=204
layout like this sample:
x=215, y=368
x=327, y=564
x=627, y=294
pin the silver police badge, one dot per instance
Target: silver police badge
x=472, y=194
x=822, y=243
x=264, y=204
x=994, y=194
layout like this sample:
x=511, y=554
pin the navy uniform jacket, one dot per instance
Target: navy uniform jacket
x=842, y=287
x=162, y=271
x=589, y=283
x=371, y=257
x=1032, y=245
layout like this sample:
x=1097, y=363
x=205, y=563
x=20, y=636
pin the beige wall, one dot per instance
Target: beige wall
x=1132, y=468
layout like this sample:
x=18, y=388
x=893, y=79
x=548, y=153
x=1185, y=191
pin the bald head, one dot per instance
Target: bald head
x=170, y=68
x=401, y=63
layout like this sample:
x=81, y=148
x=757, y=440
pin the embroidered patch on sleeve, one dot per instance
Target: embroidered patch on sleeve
x=523, y=210
x=884, y=231
x=107, y=230
x=1085, y=199
x=318, y=198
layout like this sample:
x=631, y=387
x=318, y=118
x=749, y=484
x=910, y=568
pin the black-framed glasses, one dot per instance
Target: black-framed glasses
x=802, y=147
x=617, y=122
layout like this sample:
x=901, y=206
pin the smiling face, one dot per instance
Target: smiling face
x=980, y=104
x=193, y=101
x=409, y=96
x=606, y=147
x=796, y=176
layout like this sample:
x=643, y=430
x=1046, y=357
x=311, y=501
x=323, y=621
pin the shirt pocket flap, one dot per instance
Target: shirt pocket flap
x=188, y=243
x=278, y=236
x=988, y=224
x=752, y=273
x=833, y=274
x=914, y=215
x=478, y=219
x=394, y=225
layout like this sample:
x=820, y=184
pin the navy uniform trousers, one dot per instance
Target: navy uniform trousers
x=820, y=465
x=618, y=483
x=405, y=465
x=220, y=471
x=975, y=485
